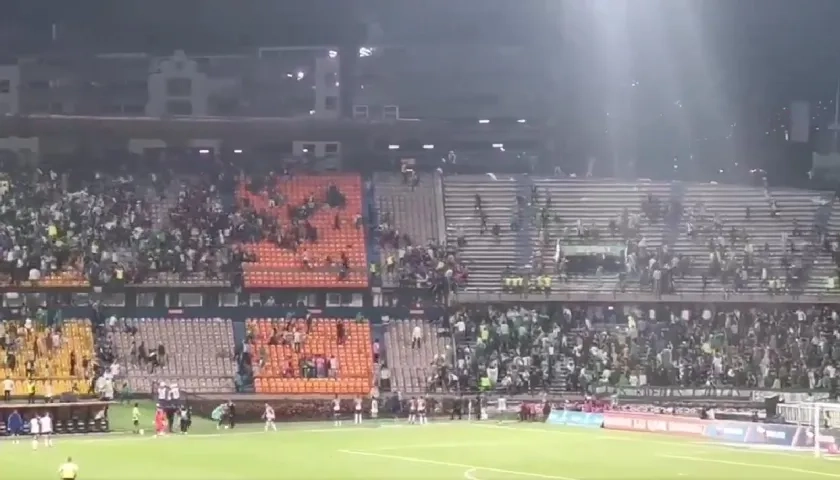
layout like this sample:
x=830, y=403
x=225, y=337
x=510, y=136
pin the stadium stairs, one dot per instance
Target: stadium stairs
x=671, y=232
x=410, y=368
x=485, y=255
x=560, y=383
x=247, y=378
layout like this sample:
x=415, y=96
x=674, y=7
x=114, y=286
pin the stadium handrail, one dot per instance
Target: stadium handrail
x=792, y=395
x=481, y=296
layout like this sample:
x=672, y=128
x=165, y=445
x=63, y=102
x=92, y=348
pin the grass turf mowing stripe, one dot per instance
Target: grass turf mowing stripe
x=754, y=465
x=457, y=465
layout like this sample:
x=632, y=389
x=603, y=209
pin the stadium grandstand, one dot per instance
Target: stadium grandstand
x=381, y=228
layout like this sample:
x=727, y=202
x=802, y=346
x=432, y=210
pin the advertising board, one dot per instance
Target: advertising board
x=721, y=431
x=575, y=419
x=645, y=422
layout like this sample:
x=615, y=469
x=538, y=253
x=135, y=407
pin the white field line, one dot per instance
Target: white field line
x=470, y=474
x=647, y=437
x=472, y=468
x=426, y=446
x=753, y=465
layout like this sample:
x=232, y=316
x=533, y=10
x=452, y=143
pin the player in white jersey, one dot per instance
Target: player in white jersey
x=357, y=415
x=502, y=406
x=374, y=408
x=336, y=411
x=268, y=415
x=35, y=430
x=46, y=429
x=412, y=410
x=421, y=411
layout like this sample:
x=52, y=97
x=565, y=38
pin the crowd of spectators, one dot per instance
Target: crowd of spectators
x=516, y=350
x=750, y=347
x=137, y=226
x=503, y=349
x=102, y=227
x=435, y=266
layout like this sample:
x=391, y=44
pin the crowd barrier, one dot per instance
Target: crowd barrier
x=724, y=431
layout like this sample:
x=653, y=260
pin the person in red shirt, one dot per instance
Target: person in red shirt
x=160, y=422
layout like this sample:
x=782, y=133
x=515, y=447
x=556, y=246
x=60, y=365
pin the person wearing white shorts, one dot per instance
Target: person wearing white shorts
x=35, y=430
x=47, y=429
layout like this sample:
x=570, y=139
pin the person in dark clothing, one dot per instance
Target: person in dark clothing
x=231, y=414
x=186, y=419
x=340, y=333
x=73, y=363
x=457, y=409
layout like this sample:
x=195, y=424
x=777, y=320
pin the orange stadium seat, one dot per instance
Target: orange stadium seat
x=277, y=267
x=355, y=362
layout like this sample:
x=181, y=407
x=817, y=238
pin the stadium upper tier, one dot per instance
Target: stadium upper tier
x=766, y=237
x=313, y=231
x=299, y=203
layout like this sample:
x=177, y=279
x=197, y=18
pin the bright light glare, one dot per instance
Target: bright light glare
x=365, y=52
x=204, y=151
x=238, y=150
x=428, y=146
x=498, y=145
x=521, y=120
x=393, y=147
x=300, y=75
x=333, y=54
x=484, y=121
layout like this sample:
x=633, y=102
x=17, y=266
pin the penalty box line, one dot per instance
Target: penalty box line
x=471, y=469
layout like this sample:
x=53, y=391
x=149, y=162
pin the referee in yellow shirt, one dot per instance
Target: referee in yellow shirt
x=68, y=470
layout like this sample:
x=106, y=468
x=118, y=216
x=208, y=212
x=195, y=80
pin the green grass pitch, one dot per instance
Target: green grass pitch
x=390, y=450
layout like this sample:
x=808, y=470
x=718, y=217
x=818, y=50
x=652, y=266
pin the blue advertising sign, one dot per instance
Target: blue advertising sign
x=768, y=434
x=755, y=433
x=575, y=419
x=728, y=431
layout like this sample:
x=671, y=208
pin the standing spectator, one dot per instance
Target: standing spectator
x=73, y=363
x=8, y=388
x=416, y=337
x=297, y=339
x=340, y=333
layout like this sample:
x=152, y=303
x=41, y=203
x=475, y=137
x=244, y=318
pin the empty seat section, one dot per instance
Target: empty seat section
x=199, y=353
x=485, y=255
x=280, y=369
x=278, y=267
x=411, y=367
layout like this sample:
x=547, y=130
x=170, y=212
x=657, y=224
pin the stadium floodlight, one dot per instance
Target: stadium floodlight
x=393, y=147
x=484, y=121
x=428, y=146
x=816, y=420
